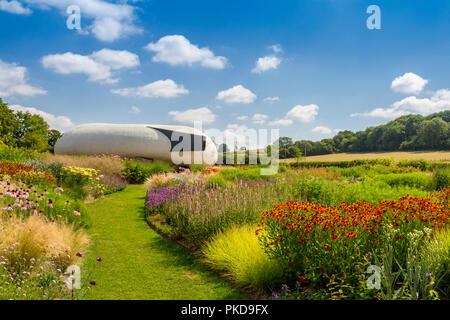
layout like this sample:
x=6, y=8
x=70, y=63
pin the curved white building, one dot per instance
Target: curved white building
x=180, y=145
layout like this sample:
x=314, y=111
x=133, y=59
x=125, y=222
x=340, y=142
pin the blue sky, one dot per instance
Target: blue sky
x=170, y=62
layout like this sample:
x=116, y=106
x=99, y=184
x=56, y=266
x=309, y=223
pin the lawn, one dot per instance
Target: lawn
x=137, y=263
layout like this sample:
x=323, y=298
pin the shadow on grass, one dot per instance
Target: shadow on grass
x=177, y=257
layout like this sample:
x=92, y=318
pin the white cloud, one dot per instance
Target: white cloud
x=204, y=115
x=276, y=48
x=55, y=122
x=110, y=21
x=14, y=7
x=158, y=89
x=266, y=63
x=116, y=59
x=13, y=81
x=439, y=101
x=322, y=130
x=259, y=118
x=98, y=66
x=303, y=113
x=271, y=99
x=177, y=50
x=134, y=110
x=237, y=94
x=281, y=123
x=242, y=118
x=409, y=83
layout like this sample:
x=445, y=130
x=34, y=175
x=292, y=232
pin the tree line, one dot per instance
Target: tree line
x=407, y=133
x=25, y=130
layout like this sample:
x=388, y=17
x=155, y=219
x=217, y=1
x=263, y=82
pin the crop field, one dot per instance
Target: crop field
x=430, y=156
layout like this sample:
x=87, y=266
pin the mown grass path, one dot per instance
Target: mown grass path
x=137, y=262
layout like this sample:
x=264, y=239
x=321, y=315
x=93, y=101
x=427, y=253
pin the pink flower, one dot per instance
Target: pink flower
x=77, y=213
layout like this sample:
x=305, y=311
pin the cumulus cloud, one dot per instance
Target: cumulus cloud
x=303, y=113
x=439, y=101
x=116, y=59
x=281, y=123
x=109, y=21
x=13, y=81
x=98, y=66
x=242, y=118
x=266, y=63
x=409, y=83
x=158, y=89
x=298, y=113
x=259, y=118
x=322, y=130
x=204, y=115
x=177, y=50
x=237, y=94
x=14, y=7
x=271, y=99
x=55, y=122
x=134, y=110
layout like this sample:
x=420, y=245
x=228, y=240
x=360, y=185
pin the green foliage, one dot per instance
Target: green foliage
x=414, y=180
x=330, y=193
x=31, y=131
x=216, y=181
x=410, y=132
x=136, y=172
x=197, y=167
x=419, y=163
x=10, y=154
x=441, y=179
x=343, y=164
x=244, y=173
x=25, y=130
x=8, y=124
x=376, y=191
x=53, y=136
x=238, y=253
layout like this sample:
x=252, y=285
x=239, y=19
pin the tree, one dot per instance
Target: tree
x=284, y=144
x=433, y=134
x=294, y=152
x=8, y=124
x=53, y=136
x=31, y=132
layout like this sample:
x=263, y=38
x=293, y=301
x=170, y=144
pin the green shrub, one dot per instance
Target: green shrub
x=415, y=180
x=238, y=252
x=419, y=163
x=137, y=172
x=441, y=179
x=10, y=154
